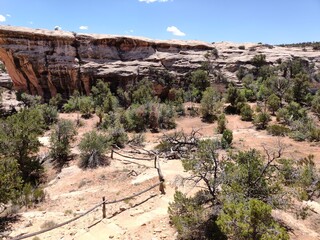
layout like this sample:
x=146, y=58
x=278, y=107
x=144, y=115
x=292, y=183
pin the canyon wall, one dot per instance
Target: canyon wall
x=47, y=62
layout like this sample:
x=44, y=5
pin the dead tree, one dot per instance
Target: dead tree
x=179, y=144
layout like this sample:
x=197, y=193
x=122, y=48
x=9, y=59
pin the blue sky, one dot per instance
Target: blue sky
x=267, y=21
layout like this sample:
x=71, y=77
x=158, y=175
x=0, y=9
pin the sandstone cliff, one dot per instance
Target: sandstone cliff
x=46, y=62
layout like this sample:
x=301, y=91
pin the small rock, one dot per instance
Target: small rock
x=28, y=224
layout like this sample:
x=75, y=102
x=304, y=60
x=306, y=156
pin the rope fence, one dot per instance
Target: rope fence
x=125, y=156
x=104, y=201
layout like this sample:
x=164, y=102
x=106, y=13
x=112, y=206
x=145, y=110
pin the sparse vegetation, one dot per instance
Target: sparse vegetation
x=239, y=187
x=48, y=224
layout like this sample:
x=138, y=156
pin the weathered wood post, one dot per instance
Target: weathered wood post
x=111, y=153
x=155, y=161
x=161, y=178
x=104, y=215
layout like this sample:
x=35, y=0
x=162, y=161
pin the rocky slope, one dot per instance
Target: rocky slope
x=47, y=62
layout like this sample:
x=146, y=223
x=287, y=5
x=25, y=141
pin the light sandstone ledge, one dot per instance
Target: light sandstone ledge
x=46, y=62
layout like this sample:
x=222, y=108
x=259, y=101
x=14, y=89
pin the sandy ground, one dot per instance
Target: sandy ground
x=72, y=191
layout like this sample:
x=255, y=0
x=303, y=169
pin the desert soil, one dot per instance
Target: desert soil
x=73, y=190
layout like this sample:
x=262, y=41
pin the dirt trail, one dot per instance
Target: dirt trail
x=73, y=190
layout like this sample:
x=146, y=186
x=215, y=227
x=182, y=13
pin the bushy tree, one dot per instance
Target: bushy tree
x=232, y=95
x=56, y=101
x=143, y=92
x=206, y=166
x=227, y=138
x=300, y=87
x=73, y=103
x=29, y=100
x=279, y=86
x=166, y=116
x=103, y=98
x=261, y=120
x=60, y=139
x=10, y=180
x=200, y=80
x=222, y=123
x=251, y=220
x=49, y=114
x=293, y=111
x=210, y=104
x=278, y=130
x=117, y=135
x=273, y=103
x=86, y=106
x=133, y=119
x=19, y=140
x=259, y=60
x=246, y=113
x=187, y=215
x=236, y=98
x=253, y=176
x=93, y=146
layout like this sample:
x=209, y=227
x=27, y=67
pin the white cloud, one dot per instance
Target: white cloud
x=30, y=22
x=152, y=1
x=2, y=18
x=8, y=15
x=83, y=27
x=175, y=31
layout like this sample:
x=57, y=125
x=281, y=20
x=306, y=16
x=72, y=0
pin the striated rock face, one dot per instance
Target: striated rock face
x=47, y=62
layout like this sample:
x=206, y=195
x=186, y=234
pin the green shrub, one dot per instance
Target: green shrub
x=56, y=101
x=143, y=93
x=29, y=100
x=242, y=47
x=278, y=130
x=86, y=106
x=222, y=123
x=273, y=103
x=138, y=139
x=31, y=195
x=48, y=224
x=210, y=104
x=246, y=113
x=261, y=120
x=200, y=80
x=49, y=113
x=60, y=139
x=259, y=60
x=314, y=134
x=73, y=103
x=187, y=216
x=166, y=117
x=251, y=220
x=103, y=98
x=304, y=129
x=10, y=179
x=151, y=115
x=92, y=146
x=117, y=135
x=227, y=138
